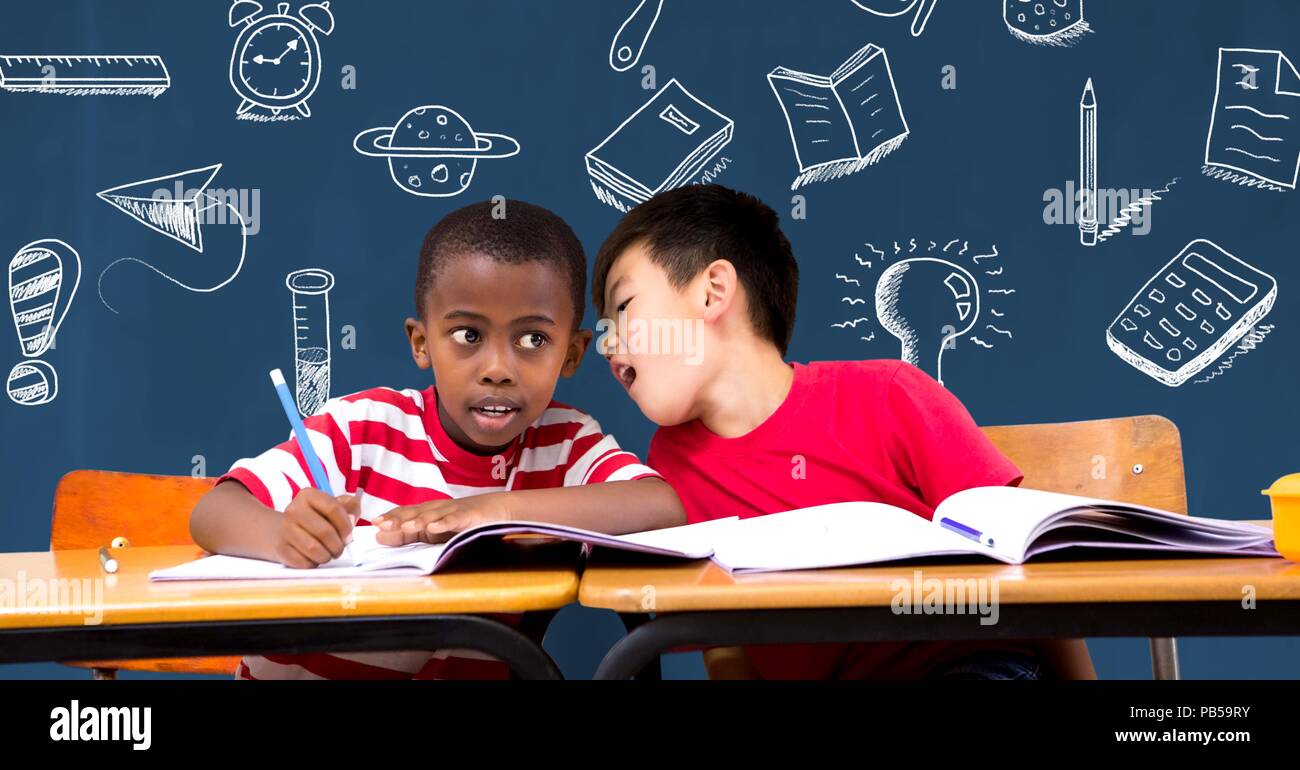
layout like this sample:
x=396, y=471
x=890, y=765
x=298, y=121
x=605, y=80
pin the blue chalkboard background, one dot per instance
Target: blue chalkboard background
x=176, y=374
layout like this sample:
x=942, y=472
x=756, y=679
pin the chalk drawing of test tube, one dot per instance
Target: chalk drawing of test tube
x=309, y=291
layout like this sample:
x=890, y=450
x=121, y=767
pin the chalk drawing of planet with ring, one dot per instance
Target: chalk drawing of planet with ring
x=433, y=151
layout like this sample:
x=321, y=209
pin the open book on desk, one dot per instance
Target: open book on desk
x=1008, y=524
x=371, y=559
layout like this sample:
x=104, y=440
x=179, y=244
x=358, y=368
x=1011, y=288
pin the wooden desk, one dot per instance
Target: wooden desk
x=60, y=605
x=700, y=604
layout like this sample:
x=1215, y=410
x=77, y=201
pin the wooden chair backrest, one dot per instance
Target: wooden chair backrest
x=1132, y=459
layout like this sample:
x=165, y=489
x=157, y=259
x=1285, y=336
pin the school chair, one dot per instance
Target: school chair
x=91, y=508
x=1134, y=459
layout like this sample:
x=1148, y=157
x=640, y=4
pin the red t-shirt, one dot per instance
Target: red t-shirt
x=877, y=431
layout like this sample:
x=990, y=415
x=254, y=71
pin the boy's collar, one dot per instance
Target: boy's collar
x=786, y=416
x=446, y=449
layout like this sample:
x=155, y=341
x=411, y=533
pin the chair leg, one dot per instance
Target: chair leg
x=103, y=673
x=1164, y=658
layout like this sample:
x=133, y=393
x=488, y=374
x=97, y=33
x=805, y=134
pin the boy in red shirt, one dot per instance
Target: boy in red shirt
x=744, y=433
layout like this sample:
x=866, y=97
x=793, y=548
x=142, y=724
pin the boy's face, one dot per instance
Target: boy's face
x=498, y=336
x=654, y=336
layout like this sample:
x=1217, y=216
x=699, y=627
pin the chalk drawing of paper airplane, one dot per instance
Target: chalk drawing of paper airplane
x=1254, y=138
x=661, y=146
x=167, y=204
x=843, y=122
x=84, y=75
x=176, y=205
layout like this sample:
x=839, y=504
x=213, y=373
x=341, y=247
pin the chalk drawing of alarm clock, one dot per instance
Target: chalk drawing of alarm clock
x=275, y=64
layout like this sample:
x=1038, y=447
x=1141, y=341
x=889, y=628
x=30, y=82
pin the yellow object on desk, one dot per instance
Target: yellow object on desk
x=1285, y=495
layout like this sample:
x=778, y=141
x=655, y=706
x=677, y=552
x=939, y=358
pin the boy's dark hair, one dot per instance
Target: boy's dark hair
x=526, y=233
x=687, y=228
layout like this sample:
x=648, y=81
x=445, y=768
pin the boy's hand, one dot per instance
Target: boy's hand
x=314, y=528
x=436, y=520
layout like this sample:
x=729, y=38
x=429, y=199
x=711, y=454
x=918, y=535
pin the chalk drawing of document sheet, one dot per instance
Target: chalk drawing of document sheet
x=1254, y=137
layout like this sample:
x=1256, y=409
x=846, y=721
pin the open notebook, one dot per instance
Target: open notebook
x=370, y=559
x=1009, y=524
x=1004, y=523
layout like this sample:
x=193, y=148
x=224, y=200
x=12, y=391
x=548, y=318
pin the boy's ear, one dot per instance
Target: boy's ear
x=573, y=356
x=419, y=343
x=720, y=284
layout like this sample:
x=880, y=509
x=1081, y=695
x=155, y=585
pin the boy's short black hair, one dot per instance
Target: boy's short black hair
x=687, y=228
x=523, y=233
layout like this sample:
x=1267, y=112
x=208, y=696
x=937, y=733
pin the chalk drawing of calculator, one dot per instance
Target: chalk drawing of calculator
x=1190, y=312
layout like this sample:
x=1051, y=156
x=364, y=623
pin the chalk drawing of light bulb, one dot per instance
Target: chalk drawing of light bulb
x=311, y=336
x=927, y=303
x=43, y=279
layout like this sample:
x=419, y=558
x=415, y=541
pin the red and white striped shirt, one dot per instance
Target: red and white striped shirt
x=390, y=446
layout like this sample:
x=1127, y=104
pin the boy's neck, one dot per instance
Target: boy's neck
x=749, y=388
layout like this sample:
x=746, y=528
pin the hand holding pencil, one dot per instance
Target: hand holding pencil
x=315, y=528
x=317, y=525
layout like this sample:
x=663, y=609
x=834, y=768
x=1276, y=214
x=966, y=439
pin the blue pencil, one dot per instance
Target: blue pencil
x=319, y=478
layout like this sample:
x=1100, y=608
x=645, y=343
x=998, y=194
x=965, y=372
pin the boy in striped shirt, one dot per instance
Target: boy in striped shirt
x=498, y=307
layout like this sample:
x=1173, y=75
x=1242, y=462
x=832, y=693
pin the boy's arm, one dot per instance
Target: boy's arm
x=1067, y=658
x=612, y=507
x=229, y=520
x=311, y=531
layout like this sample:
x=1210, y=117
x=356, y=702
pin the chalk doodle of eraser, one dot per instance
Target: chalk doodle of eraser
x=1057, y=23
x=433, y=151
x=1254, y=137
x=1198, y=305
x=841, y=123
x=77, y=75
x=665, y=144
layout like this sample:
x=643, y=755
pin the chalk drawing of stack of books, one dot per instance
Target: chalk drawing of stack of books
x=669, y=142
x=843, y=122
